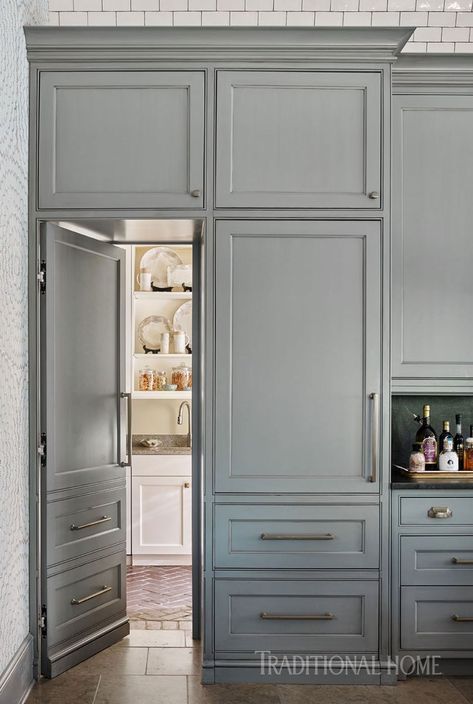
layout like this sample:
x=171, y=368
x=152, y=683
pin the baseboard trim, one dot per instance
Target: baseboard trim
x=17, y=680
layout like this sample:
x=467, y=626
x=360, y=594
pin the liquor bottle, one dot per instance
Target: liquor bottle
x=468, y=455
x=458, y=441
x=448, y=458
x=427, y=437
x=444, y=434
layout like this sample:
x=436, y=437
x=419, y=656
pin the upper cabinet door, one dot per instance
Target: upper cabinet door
x=121, y=139
x=301, y=139
x=432, y=237
x=298, y=354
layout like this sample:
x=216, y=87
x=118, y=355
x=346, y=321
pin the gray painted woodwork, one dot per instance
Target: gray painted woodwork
x=307, y=537
x=298, y=304
x=82, y=345
x=414, y=511
x=432, y=244
x=17, y=678
x=442, y=560
x=427, y=618
x=240, y=603
x=298, y=139
x=113, y=137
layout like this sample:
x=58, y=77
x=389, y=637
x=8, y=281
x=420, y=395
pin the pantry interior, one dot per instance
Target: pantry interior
x=162, y=261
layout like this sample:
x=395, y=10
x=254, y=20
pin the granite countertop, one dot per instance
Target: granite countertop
x=398, y=481
x=170, y=445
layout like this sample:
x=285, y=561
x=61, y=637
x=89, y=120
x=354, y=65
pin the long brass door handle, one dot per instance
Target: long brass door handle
x=459, y=561
x=104, y=519
x=267, y=616
x=374, y=436
x=82, y=600
x=129, y=437
x=297, y=536
x=459, y=619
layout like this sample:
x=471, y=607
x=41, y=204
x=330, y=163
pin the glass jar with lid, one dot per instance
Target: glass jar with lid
x=159, y=381
x=146, y=379
x=180, y=377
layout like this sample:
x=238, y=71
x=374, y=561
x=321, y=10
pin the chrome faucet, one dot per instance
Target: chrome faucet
x=180, y=420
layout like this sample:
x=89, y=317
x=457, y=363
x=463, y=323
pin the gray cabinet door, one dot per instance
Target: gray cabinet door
x=432, y=236
x=82, y=376
x=299, y=139
x=121, y=139
x=298, y=353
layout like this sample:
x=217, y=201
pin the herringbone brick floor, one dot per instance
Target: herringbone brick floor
x=159, y=597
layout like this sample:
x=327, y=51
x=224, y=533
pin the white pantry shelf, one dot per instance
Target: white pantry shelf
x=163, y=295
x=169, y=395
x=171, y=355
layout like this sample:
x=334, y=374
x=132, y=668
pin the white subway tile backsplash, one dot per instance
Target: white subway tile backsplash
x=385, y=19
x=401, y=5
x=172, y=5
x=130, y=19
x=442, y=19
x=202, y=4
x=147, y=5
x=230, y=5
x=344, y=5
x=260, y=5
x=374, y=5
x=357, y=19
x=300, y=19
x=116, y=5
x=215, y=19
x=88, y=5
x=271, y=19
x=73, y=19
x=457, y=5
x=102, y=19
x=415, y=48
x=461, y=47
x=244, y=19
x=158, y=19
x=442, y=47
x=430, y=5
x=428, y=34
x=61, y=5
x=465, y=19
x=316, y=5
x=187, y=19
x=329, y=19
x=413, y=19
x=455, y=34
x=53, y=19
x=285, y=5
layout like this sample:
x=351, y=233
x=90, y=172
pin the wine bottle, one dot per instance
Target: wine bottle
x=427, y=437
x=444, y=435
x=458, y=441
x=468, y=456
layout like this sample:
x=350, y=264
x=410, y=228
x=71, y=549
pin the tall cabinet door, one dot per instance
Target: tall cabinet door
x=298, y=356
x=432, y=236
x=121, y=139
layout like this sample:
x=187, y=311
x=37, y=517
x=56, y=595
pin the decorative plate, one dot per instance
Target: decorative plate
x=183, y=319
x=157, y=261
x=150, y=329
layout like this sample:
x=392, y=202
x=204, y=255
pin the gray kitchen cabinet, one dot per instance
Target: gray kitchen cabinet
x=299, y=139
x=121, y=139
x=432, y=245
x=298, y=355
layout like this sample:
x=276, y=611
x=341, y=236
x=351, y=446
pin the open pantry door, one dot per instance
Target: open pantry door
x=83, y=454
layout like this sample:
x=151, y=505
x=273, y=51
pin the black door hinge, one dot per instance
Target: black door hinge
x=43, y=622
x=42, y=276
x=42, y=449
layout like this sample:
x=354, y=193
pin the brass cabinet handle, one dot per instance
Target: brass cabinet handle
x=297, y=536
x=439, y=512
x=374, y=195
x=104, y=590
x=459, y=619
x=195, y=193
x=129, y=441
x=374, y=436
x=267, y=616
x=104, y=519
x=459, y=561
x=187, y=485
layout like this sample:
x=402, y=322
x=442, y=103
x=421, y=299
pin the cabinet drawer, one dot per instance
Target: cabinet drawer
x=437, y=560
x=436, y=511
x=85, y=523
x=296, y=536
x=291, y=615
x=274, y=126
x=437, y=618
x=81, y=598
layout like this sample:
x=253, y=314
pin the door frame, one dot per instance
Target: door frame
x=34, y=408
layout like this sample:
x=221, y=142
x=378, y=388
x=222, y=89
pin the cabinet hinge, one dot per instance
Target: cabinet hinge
x=41, y=276
x=42, y=449
x=43, y=621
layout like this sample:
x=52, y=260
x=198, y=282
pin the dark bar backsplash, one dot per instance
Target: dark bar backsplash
x=442, y=408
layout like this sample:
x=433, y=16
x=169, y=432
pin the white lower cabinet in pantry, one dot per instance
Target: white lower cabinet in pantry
x=161, y=520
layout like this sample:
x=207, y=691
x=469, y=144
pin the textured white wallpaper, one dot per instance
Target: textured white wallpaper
x=13, y=322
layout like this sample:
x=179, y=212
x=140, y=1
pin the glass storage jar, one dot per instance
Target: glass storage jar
x=180, y=376
x=146, y=379
x=159, y=381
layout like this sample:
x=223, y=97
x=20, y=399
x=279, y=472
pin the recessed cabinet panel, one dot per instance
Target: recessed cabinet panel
x=298, y=352
x=432, y=236
x=121, y=139
x=302, y=139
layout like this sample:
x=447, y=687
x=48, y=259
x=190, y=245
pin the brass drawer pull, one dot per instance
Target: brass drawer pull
x=459, y=619
x=459, y=561
x=440, y=512
x=104, y=519
x=297, y=536
x=266, y=616
x=104, y=590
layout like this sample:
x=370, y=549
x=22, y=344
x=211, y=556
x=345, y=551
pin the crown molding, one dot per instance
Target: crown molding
x=430, y=73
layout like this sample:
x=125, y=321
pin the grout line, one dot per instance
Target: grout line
x=452, y=683
x=97, y=690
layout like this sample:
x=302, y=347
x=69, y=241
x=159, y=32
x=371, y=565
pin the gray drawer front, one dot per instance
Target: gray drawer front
x=414, y=511
x=427, y=618
x=296, y=536
x=86, y=523
x=240, y=625
x=67, y=620
x=440, y=560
